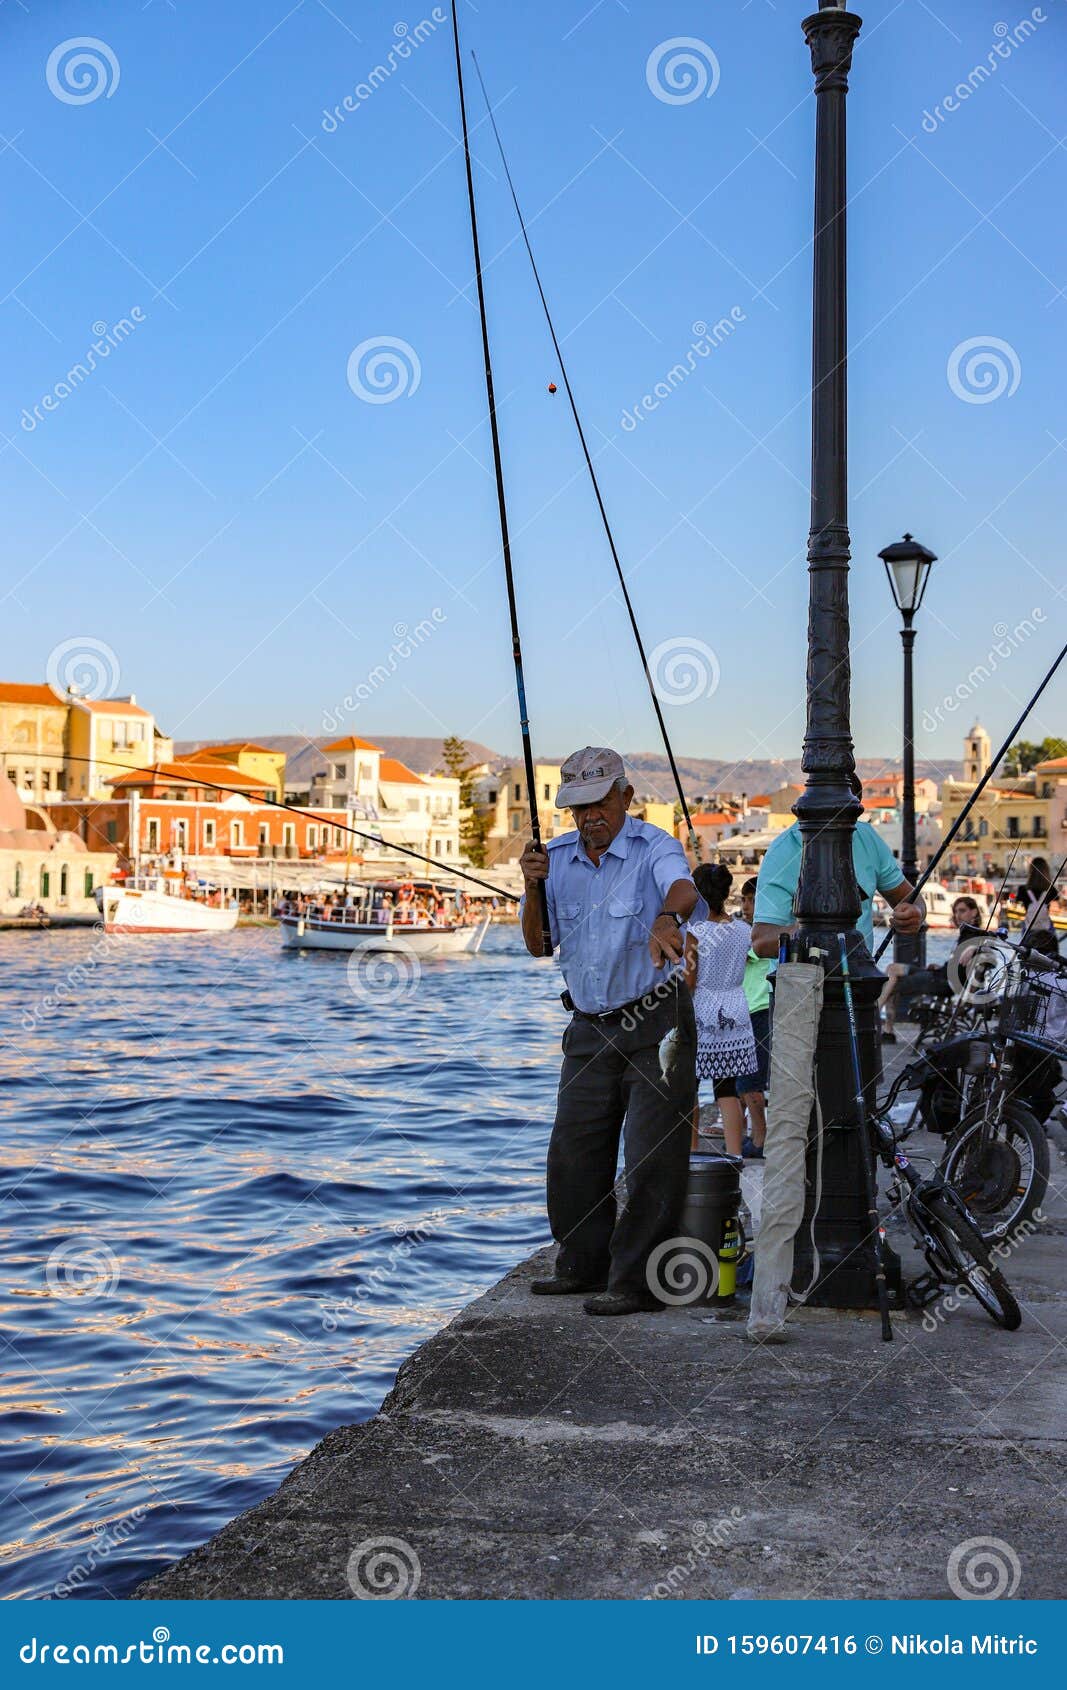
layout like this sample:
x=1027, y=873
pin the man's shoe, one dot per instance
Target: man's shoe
x=889, y=1037
x=623, y=1302
x=560, y=1286
x=751, y=1152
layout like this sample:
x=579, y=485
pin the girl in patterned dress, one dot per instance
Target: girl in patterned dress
x=715, y=954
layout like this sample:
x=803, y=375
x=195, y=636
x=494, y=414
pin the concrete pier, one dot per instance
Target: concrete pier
x=530, y=1451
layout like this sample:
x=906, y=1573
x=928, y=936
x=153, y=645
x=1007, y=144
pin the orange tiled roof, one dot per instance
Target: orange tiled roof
x=351, y=743
x=761, y=801
x=111, y=706
x=185, y=774
x=220, y=753
x=1054, y=766
x=392, y=769
x=18, y=692
x=712, y=818
x=879, y=803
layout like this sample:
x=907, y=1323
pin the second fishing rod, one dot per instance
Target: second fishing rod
x=502, y=508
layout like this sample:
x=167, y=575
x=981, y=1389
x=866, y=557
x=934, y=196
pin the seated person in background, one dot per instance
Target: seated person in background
x=929, y=982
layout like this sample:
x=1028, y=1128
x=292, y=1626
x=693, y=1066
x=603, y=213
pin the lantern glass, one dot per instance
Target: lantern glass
x=909, y=581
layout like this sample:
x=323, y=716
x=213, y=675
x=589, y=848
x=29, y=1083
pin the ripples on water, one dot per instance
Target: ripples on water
x=236, y=1194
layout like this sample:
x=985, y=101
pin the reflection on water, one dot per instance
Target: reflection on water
x=237, y=1192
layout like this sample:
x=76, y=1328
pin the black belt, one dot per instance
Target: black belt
x=638, y=1006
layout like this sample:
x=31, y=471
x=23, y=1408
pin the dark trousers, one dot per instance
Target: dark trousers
x=610, y=1087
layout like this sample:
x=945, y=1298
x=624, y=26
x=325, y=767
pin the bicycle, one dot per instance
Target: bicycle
x=956, y=1254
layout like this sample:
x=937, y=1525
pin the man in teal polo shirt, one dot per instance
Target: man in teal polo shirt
x=877, y=870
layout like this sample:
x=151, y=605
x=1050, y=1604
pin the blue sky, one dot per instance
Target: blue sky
x=217, y=507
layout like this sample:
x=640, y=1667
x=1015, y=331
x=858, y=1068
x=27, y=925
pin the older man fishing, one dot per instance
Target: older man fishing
x=619, y=893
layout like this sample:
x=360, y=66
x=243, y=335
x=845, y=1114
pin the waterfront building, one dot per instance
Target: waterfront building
x=33, y=740
x=656, y=814
x=172, y=807
x=108, y=734
x=419, y=811
x=502, y=798
x=254, y=760
x=1018, y=817
x=45, y=864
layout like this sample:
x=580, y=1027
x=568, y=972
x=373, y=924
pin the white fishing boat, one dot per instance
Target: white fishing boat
x=162, y=903
x=384, y=916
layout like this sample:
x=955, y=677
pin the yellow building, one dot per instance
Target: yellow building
x=1011, y=820
x=503, y=797
x=106, y=736
x=33, y=740
x=657, y=815
x=254, y=760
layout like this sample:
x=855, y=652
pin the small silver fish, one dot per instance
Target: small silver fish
x=670, y=1052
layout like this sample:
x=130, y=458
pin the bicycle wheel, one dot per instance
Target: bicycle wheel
x=963, y=1259
x=1005, y=1179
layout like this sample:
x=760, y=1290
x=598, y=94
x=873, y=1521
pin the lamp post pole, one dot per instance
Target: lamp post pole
x=828, y=899
x=909, y=947
x=907, y=565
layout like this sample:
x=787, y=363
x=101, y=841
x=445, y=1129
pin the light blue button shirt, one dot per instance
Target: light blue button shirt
x=601, y=915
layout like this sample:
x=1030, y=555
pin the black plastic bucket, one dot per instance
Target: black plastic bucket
x=712, y=1199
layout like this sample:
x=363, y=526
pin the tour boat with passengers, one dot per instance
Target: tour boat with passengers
x=164, y=902
x=419, y=917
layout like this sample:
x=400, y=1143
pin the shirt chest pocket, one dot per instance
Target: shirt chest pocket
x=626, y=922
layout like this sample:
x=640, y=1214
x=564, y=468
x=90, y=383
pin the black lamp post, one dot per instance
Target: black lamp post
x=907, y=565
x=828, y=899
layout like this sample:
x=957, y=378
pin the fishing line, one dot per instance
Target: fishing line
x=975, y=795
x=505, y=537
x=694, y=842
x=195, y=778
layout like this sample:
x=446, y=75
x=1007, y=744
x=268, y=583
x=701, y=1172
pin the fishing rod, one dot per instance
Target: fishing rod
x=505, y=536
x=870, y=1176
x=195, y=778
x=694, y=842
x=975, y=795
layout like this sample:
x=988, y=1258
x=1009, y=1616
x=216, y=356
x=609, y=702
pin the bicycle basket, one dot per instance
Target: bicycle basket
x=1036, y=1015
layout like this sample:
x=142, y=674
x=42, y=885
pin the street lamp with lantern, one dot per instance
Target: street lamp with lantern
x=907, y=567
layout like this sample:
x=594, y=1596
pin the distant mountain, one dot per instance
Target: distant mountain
x=649, y=769
x=304, y=756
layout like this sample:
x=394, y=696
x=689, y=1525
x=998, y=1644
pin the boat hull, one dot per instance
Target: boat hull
x=159, y=912
x=304, y=933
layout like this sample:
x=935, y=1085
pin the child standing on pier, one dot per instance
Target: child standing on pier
x=716, y=951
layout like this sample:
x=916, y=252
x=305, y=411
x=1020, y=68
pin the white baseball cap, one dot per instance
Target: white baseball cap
x=589, y=775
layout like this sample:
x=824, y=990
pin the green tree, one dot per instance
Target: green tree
x=1025, y=755
x=473, y=828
